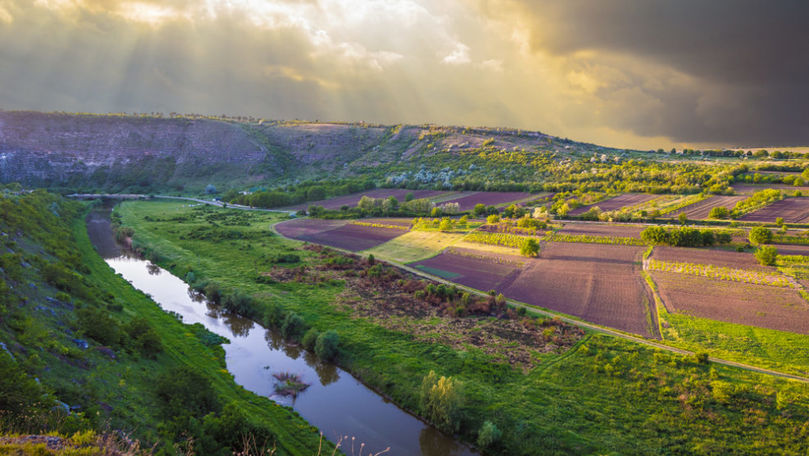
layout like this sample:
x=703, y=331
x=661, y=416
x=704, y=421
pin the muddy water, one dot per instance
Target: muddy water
x=335, y=402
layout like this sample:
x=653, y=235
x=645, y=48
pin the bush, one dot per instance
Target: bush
x=766, y=255
x=309, y=339
x=441, y=401
x=143, y=338
x=185, y=391
x=326, y=345
x=529, y=248
x=293, y=326
x=488, y=434
x=494, y=218
x=97, y=325
x=719, y=212
x=760, y=235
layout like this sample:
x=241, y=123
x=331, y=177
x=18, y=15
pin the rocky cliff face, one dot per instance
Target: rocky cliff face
x=142, y=153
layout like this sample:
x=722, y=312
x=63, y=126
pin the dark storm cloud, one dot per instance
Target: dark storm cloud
x=750, y=60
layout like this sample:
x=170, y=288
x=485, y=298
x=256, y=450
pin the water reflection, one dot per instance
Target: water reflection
x=335, y=401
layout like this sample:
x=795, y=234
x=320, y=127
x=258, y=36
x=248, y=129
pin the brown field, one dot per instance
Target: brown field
x=793, y=210
x=475, y=269
x=601, y=229
x=790, y=249
x=337, y=233
x=618, y=202
x=599, y=283
x=403, y=222
x=354, y=198
x=724, y=258
x=749, y=189
x=468, y=202
x=701, y=209
x=743, y=303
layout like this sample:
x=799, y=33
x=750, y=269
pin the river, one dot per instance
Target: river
x=335, y=402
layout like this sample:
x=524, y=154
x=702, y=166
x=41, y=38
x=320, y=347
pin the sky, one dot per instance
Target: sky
x=639, y=73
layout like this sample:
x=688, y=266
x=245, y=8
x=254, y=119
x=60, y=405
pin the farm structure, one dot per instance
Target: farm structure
x=792, y=210
x=616, y=203
x=701, y=209
x=338, y=234
x=354, y=198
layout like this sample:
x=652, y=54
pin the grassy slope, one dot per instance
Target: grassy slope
x=605, y=396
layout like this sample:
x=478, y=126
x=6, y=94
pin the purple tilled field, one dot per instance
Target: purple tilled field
x=701, y=209
x=792, y=210
x=337, y=233
x=601, y=229
x=467, y=203
x=354, y=198
x=749, y=189
x=618, y=202
x=597, y=282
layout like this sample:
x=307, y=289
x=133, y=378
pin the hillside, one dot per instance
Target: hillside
x=120, y=152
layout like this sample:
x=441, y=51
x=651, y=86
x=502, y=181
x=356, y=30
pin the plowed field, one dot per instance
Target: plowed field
x=618, y=202
x=337, y=233
x=467, y=203
x=602, y=229
x=354, y=198
x=724, y=258
x=793, y=210
x=701, y=209
x=742, y=303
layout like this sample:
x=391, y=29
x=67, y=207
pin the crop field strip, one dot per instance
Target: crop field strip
x=468, y=202
x=792, y=210
x=601, y=229
x=354, y=198
x=742, y=303
x=716, y=257
x=720, y=273
x=616, y=203
x=701, y=209
x=749, y=189
x=347, y=236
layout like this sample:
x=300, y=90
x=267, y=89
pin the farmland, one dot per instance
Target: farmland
x=741, y=303
x=391, y=350
x=701, y=209
x=616, y=203
x=749, y=189
x=354, y=198
x=468, y=202
x=338, y=234
x=792, y=210
x=600, y=229
x=724, y=258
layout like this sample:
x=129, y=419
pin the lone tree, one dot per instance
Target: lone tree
x=760, y=235
x=719, y=212
x=529, y=248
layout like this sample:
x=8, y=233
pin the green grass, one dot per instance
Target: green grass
x=437, y=272
x=607, y=396
x=415, y=245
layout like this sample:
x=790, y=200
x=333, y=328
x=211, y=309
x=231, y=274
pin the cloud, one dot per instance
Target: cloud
x=745, y=62
x=458, y=56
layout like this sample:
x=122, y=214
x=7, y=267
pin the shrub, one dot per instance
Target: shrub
x=488, y=434
x=760, y=235
x=766, y=255
x=185, y=391
x=494, y=218
x=143, y=338
x=326, y=345
x=309, y=339
x=213, y=292
x=293, y=326
x=719, y=212
x=441, y=401
x=529, y=248
x=97, y=325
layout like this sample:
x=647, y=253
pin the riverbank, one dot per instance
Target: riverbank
x=607, y=395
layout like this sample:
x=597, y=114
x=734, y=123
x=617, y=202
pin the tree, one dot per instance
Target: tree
x=654, y=235
x=310, y=338
x=210, y=189
x=463, y=222
x=719, y=212
x=446, y=224
x=488, y=434
x=409, y=197
x=779, y=221
x=479, y=210
x=292, y=326
x=760, y=235
x=493, y=219
x=326, y=345
x=766, y=255
x=682, y=218
x=529, y=248
x=441, y=401
x=390, y=204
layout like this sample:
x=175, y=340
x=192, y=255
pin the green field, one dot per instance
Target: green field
x=415, y=246
x=604, y=396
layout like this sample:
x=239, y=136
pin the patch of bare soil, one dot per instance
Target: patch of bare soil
x=434, y=312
